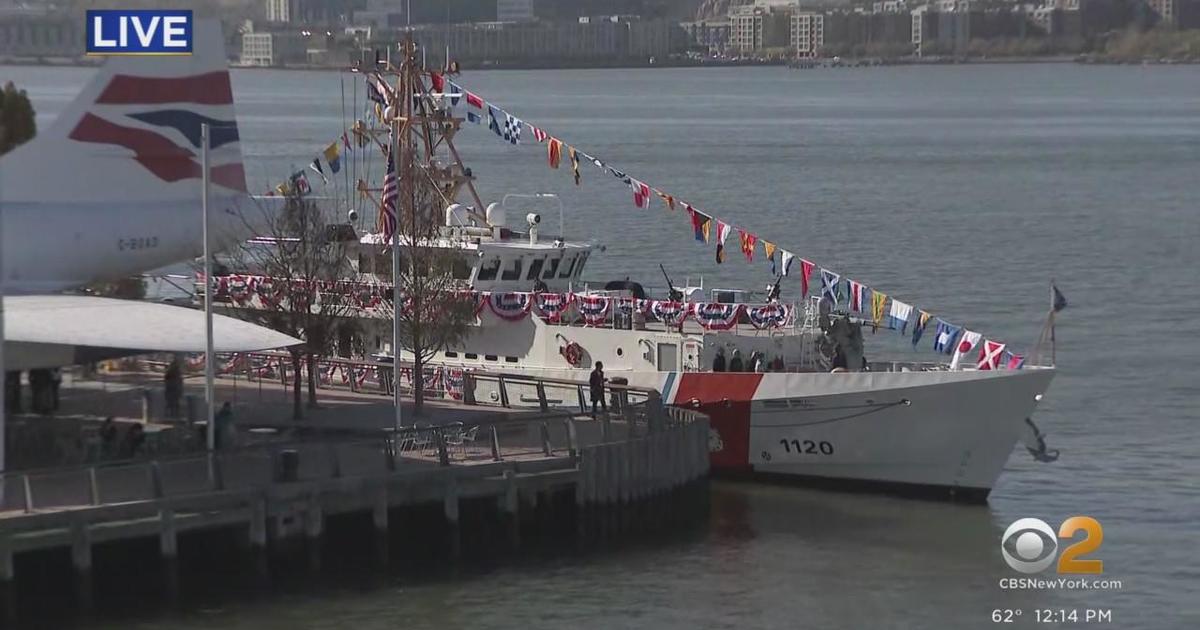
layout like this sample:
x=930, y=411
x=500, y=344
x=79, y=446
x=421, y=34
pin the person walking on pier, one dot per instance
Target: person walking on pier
x=173, y=387
x=224, y=427
x=596, y=383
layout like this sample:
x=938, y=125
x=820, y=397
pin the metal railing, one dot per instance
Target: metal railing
x=259, y=466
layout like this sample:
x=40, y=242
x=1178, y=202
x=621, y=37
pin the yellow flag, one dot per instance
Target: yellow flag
x=769, y=248
x=574, y=155
x=667, y=199
x=878, y=300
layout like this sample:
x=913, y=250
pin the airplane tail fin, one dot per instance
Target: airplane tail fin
x=134, y=133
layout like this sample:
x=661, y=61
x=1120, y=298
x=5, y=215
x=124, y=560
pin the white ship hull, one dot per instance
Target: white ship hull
x=928, y=433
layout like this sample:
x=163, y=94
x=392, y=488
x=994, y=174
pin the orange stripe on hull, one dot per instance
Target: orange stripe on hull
x=725, y=397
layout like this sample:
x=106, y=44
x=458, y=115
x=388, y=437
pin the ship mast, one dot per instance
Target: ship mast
x=418, y=129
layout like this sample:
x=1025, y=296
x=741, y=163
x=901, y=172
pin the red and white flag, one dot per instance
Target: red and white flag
x=722, y=234
x=641, y=193
x=989, y=355
x=538, y=134
x=966, y=343
x=858, y=296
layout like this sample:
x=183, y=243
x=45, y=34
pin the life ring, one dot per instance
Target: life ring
x=573, y=353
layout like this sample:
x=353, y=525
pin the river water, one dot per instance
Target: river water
x=961, y=189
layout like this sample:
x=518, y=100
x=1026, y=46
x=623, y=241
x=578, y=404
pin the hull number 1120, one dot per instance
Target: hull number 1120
x=807, y=447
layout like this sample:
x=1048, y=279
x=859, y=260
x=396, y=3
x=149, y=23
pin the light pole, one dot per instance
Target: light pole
x=209, y=356
x=3, y=371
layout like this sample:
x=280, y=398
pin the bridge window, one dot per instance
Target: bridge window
x=582, y=261
x=489, y=269
x=570, y=268
x=512, y=271
x=535, y=268
x=551, y=269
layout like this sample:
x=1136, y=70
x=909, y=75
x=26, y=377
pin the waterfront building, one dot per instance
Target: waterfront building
x=34, y=33
x=944, y=27
x=808, y=33
x=514, y=10
x=279, y=11
x=711, y=35
x=591, y=40
x=1165, y=10
x=754, y=27
x=856, y=33
x=273, y=49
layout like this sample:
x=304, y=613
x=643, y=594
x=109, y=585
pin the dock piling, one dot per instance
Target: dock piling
x=93, y=487
x=379, y=517
x=451, y=511
x=168, y=546
x=314, y=525
x=510, y=508
x=81, y=560
x=8, y=594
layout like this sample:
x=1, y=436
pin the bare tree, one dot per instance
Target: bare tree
x=437, y=311
x=302, y=264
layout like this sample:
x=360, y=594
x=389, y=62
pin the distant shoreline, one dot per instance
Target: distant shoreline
x=818, y=64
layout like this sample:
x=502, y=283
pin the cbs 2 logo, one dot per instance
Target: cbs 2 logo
x=1029, y=545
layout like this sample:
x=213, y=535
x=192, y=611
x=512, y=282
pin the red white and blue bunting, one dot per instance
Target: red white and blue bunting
x=513, y=305
x=593, y=308
x=552, y=306
x=768, y=316
x=717, y=315
x=670, y=313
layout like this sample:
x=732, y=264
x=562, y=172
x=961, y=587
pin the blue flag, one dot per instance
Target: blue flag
x=1058, y=301
x=831, y=287
x=919, y=323
x=494, y=121
x=944, y=337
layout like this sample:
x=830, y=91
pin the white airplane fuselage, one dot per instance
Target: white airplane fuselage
x=50, y=247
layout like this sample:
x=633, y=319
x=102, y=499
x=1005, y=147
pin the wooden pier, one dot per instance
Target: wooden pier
x=279, y=492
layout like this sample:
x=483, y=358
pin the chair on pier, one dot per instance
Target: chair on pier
x=453, y=433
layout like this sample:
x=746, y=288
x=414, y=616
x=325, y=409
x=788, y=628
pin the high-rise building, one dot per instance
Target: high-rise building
x=808, y=33
x=280, y=10
x=1166, y=11
x=514, y=10
x=755, y=27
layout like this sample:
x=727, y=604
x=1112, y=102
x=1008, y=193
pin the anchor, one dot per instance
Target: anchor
x=1041, y=453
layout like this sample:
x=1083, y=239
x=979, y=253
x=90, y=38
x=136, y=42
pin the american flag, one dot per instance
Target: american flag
x=387, y=208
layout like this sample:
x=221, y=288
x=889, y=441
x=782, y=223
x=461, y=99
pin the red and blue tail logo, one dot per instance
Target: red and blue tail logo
x=151, y=143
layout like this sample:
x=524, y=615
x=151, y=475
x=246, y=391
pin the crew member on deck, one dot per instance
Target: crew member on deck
x=596, y=384
x=719, y=361
x=735, y=364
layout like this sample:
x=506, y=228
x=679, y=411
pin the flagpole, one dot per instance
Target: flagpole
x=396, y=301
x=3, y=370
x=209, y=355
x=1053, y=342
